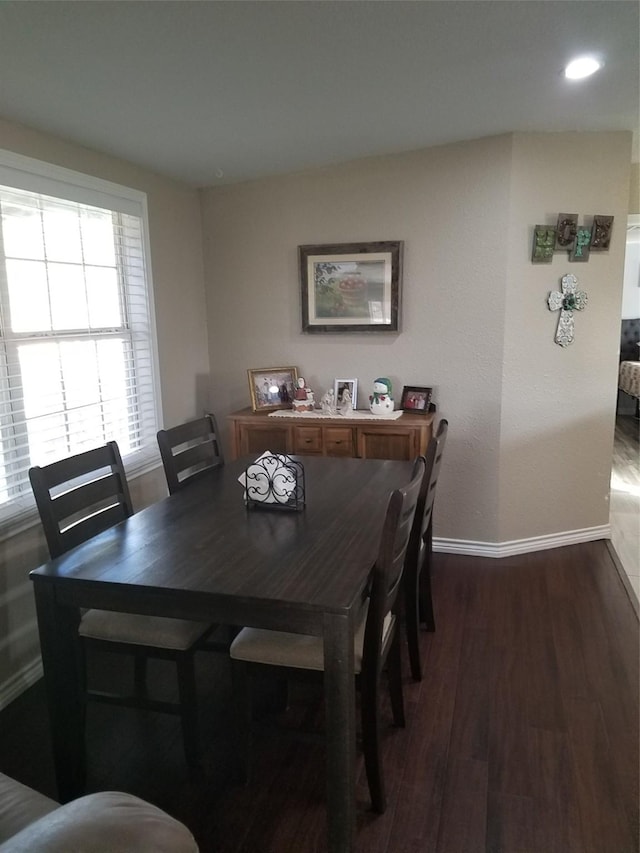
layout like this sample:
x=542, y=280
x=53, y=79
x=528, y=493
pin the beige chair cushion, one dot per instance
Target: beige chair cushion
x=299, y=651
x=157, y=631
x=108, y=822
x=20, y=806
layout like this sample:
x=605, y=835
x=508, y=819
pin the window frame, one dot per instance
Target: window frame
x=26, y=173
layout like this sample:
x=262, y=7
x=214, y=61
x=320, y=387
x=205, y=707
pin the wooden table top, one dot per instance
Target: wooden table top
x=203, y=541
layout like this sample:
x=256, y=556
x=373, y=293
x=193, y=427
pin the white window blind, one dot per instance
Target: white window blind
x=77, y=356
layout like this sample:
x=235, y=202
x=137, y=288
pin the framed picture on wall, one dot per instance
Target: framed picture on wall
x=416, y=398
x=350, y=287
x=272, y=387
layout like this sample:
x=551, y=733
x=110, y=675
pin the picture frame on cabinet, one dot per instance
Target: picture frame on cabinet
x=272, y=388
x=339, y=386
x=416, y=399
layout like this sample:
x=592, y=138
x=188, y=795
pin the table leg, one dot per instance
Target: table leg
x=58, y=629
x=340, y=732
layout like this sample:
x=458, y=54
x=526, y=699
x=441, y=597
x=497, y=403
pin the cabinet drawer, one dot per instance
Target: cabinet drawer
x=307, y=439
x=338, y=441
x=375, y=443
x=257, y=439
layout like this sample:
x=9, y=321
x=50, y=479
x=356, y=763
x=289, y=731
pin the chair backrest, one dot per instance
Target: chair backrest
x=81, y=496
x=430, y=488
x=387, y=571
x=424, y=510
x=188, y=450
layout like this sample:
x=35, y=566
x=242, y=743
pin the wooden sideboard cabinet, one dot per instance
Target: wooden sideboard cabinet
x=401, y=438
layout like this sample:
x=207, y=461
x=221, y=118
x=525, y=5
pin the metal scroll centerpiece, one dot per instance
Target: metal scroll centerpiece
x=274, y=481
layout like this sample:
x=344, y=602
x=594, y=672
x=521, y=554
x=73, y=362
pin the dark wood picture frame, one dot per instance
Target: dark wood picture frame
x=416, y=399
x=351, y=287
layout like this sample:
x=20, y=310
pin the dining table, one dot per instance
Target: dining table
x=204, y=554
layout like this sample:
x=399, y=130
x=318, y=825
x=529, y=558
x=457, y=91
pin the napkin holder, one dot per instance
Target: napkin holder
x=274, y=481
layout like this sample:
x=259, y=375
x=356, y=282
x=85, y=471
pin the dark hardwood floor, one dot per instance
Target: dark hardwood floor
x=522, y=737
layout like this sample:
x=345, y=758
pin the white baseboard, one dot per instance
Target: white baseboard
x=520, y=546
x=19, y=682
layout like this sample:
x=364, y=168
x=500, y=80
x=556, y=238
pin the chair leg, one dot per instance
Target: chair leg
x=188, y=708
x=394, y=675
x=424, y=594
x=371, y=745
x=412, y=627
x=140, y=674
x=81, y=666
x=281, y=694
x=241, y=685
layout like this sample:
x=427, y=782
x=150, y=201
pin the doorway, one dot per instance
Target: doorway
x=625, y=468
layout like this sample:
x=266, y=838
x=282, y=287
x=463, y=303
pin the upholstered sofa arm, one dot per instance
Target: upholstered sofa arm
x=107, y=822
x=20, y=806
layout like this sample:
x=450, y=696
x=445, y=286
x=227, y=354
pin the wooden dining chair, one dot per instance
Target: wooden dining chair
x=189, y=450
x=418, y=607
x=77, y=498
x=376, y=643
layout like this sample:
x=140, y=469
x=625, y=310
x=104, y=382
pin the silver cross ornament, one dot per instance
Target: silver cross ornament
x=569, y=300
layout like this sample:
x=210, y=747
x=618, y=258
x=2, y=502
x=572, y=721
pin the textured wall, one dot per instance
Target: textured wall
x=450, y=206
x=475, y=323
x=558, y=403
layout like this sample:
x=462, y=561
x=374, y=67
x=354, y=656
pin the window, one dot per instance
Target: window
x=76, y=332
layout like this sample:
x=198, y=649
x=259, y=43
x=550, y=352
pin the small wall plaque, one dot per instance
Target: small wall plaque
x=601, y=232
x=544, y=240
x=566, y=230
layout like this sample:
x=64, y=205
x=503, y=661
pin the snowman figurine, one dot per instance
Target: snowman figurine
x=381, y=401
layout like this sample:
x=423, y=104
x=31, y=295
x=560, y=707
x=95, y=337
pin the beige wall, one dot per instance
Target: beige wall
x=634, y=191
x=558, y=404
x=475, y=324
x=176, y=257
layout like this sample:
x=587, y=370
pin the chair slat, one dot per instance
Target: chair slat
x=88, y=495
x=89, y=527
x=194, y=455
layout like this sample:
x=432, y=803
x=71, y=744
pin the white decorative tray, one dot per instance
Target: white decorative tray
x=356, y=415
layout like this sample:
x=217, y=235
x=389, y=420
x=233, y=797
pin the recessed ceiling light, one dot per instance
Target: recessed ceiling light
x=584, y=66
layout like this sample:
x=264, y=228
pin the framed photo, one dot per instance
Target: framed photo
x=416, y=398
x=351, y=287
x=272, y=387
x=339, y=387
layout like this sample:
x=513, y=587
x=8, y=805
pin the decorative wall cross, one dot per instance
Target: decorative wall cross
x=569, y=300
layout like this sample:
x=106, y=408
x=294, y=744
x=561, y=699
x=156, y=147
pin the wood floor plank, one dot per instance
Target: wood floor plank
x=464, y=808
x=522, y=736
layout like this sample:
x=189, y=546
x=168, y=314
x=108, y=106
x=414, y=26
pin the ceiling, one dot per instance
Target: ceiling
x=217, y=92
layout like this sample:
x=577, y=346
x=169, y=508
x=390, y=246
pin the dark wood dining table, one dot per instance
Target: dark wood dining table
x=202, y=554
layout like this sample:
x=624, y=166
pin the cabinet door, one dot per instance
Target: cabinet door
x=256, y=438
x=338, y=441
x=307, y=439
x=386, y=444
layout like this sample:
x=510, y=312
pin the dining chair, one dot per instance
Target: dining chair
x=189, y=450
x=418, y=606
x=77, y=498
x=376, y=644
